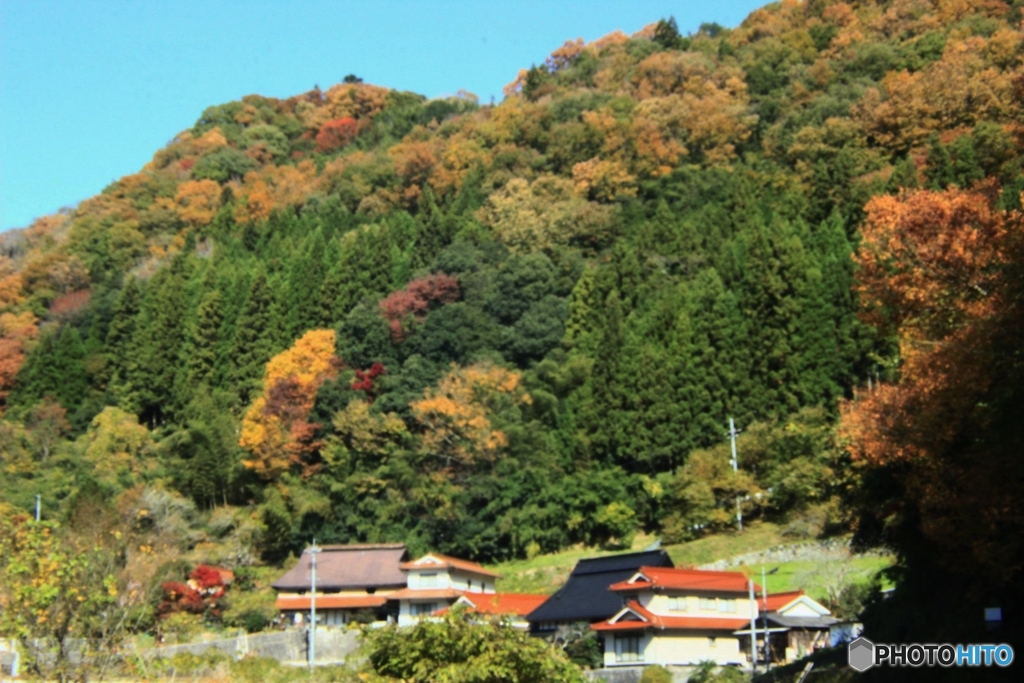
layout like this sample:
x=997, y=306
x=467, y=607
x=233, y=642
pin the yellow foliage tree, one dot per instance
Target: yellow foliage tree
x=274, y=429
x=539, y=215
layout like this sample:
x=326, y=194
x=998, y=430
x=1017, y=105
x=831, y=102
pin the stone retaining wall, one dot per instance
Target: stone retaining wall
x=332, y=646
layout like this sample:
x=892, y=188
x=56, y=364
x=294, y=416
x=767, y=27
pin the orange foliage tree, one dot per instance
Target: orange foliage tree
x=456, y=415
x=275, y=429
x=198, y=201
x=15, y=332
x=943, y=270
x=336, y=133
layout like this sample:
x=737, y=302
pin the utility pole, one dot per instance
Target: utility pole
x=312, y=605
x=38, y=506
x=764, y=602
x=753, y=626
x=732, y=433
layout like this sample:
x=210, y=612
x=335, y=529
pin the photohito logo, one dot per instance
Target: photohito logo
x=863, y=654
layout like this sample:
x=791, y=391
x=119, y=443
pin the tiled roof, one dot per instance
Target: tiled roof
x=777, y=601
x=301, y=602
x=654, y=621
x=685, y=579
x=450, y=562
x=585, y=596
x=519, y=604
x=424, y=594
x=342, y=567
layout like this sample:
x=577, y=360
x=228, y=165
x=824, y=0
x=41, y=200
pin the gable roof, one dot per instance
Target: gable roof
x=777, y=601
x=340, y=567
x=519, y=604
x=796, y=604
x=634, y=617
x=439, y=561
x=685, y=579
x=585, y=595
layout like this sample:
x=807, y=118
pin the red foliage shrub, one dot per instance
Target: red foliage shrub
x=415, y=300
x=181, y=597
x=207, y=577
x=336, y=134
x=186, y=164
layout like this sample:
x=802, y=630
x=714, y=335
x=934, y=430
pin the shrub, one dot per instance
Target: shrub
x=656, y=674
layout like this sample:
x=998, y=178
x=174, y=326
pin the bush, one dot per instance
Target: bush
x=459, y=649
x=656, y=674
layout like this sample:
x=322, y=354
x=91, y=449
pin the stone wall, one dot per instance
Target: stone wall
x=632, y=674
x=290, y=647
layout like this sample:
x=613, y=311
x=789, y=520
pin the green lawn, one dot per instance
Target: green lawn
x=546, y=573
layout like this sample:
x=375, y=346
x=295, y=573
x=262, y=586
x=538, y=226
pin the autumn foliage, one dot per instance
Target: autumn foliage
x=942, y=269
x=364, y=379
x=336, y=134
x=456, y=416
x=199, y=595
x=275, y=429
x=413, y=302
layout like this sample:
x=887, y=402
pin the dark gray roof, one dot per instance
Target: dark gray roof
x=585, y=595
x=343, y=567
x=801, y=622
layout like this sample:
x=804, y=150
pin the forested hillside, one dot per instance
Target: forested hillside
x=494, y=331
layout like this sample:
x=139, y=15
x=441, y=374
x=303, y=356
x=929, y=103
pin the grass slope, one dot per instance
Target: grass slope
x=546, y=573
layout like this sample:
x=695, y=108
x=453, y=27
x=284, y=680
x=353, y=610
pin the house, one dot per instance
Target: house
x=352, y=581
x=513, y=606
x=797, y=626
x=677, y=617
x=585, y=596
x=435, y=581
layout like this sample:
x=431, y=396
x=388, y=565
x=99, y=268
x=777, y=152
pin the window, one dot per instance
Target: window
x=708, y=604
x=726, y=605
x=711, y=642
x=420, y=609
x=428, y=580
x=627, y=649
x=677, y=604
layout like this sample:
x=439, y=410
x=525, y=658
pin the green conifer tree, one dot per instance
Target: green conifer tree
x=253, y=344
x=203, y=353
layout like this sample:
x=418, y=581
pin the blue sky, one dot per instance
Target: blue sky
x=90, y=89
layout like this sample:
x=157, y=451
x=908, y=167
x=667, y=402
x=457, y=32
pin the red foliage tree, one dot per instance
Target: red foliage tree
x=336, y=133
x=416, y=299
x=70, y=305
x=364, y=380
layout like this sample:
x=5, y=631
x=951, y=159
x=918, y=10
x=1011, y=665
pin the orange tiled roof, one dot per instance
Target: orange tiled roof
x=655, y=621
x=452, y=562
x=301, y=602
x=777, y=601
x=519, y=604
x=425, y=593
x=687, y=579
